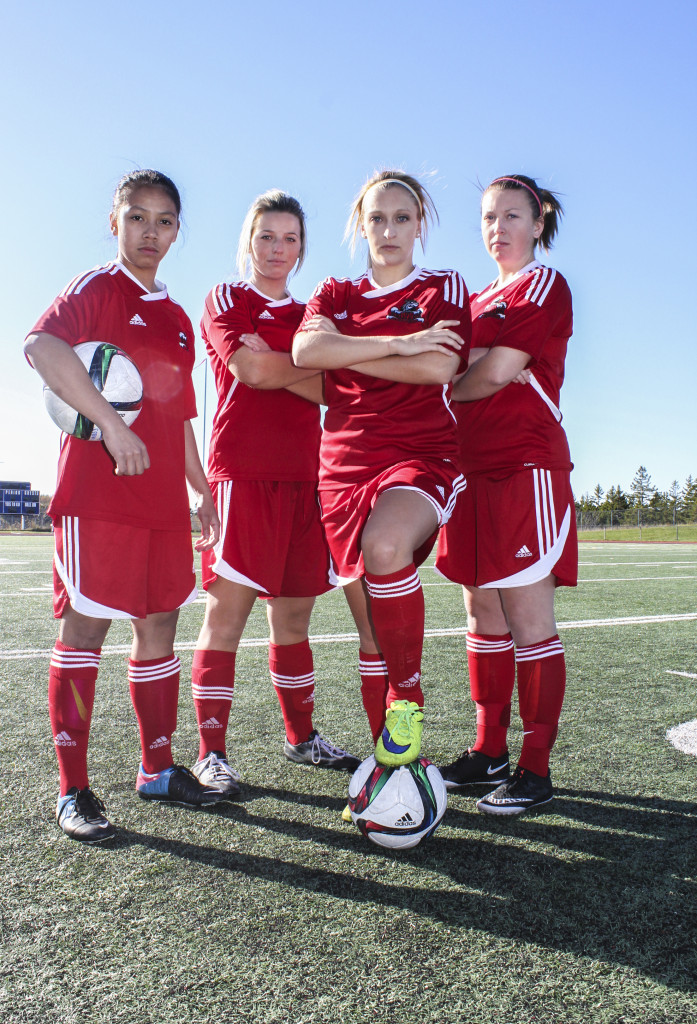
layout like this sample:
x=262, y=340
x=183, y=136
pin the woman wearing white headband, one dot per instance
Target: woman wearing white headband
x=512, y=539
x=389, y=343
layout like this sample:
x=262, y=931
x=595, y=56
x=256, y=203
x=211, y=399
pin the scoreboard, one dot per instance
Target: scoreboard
x=18, y=499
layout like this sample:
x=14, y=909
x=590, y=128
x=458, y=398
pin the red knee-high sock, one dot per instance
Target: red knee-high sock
x=541, y=685
x=374, y=683
x=491, y=663
x=293, y=677
x=212, y=686
x=397, y=608
x=71, y=680
x=154, y=686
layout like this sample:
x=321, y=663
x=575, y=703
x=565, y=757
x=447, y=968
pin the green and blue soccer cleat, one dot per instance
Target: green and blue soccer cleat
x=400, y=741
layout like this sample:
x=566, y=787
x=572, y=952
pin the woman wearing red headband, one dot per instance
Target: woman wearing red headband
x=512, y=538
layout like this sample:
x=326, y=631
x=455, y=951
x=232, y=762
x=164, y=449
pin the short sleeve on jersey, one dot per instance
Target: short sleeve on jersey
x=535, y=309
x=322, y=301
x=226, y=316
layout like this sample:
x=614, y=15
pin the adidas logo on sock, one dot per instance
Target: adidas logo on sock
x=410, y=682
x=265, y=315
x=310, y=699
x=161, y=741
x=64, y=740
x=137, y=321
x=405, y=821
x=211, y=723
x=524, y=552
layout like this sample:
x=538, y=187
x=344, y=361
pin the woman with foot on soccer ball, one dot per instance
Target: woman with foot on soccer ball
x=263, y=471
x=512, y=539
x=389, y=343
x=121, y=508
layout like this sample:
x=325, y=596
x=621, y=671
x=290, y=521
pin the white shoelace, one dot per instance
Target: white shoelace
x=221, y=770
x=321, y=746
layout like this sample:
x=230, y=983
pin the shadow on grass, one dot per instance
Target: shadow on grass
x=621, y=888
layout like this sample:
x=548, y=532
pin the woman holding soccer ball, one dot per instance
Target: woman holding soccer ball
x=121, y=508
x=389, y=343
x=512, y=539
x=263, y=470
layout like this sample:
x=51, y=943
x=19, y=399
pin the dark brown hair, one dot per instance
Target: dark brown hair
x=543, y=203
x=144, y=178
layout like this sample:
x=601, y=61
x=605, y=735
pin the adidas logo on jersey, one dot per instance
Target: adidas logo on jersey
x=161, y=741
x=211, y=723
x=64, y=740
x=524, y=552
x=405, y=821
x=265, y=315
x=137, y=321
x=441, y=491
x=340, y=316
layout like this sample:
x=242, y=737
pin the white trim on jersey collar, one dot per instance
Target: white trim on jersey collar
x=494, y=287
x=376, y=291
x=269, y=300
x=161, y=292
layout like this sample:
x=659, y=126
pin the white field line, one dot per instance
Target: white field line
x=638, y=579
x=687, y=675
x=26, y=572
x=675, y=565
x=48, y=588
x=340, y=638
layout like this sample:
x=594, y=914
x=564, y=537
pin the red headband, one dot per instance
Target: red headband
x=522, y=185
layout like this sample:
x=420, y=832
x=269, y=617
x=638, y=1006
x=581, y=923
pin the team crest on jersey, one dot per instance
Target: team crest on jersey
x=410, y=311
x=183, y=340
x=497, y=309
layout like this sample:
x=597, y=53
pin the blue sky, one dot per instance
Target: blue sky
x=596, y=100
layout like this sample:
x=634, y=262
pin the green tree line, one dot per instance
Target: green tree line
x=642, y=504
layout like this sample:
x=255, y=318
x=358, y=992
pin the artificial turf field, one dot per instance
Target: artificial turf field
x=275, y=911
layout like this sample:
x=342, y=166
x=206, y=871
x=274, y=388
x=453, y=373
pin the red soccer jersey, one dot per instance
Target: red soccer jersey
x=257, y=435
x=520, y=426
x=109, y=304
x=371, y=423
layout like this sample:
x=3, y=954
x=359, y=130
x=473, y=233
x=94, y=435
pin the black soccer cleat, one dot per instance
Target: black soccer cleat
x=176, y=785
x=80, y=813
x=522, y=792
x=473, y=768
x=320, y=753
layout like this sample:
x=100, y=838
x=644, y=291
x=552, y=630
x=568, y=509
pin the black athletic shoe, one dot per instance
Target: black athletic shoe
x=523, y=791
x=321, y=753
x=80, y=813
x=176, y=785
x=473, y=768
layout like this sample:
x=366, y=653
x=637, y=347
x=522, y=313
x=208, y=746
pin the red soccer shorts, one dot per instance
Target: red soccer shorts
x=271, y=538
x=345, y=511
x=511, y=529
x=111, y=571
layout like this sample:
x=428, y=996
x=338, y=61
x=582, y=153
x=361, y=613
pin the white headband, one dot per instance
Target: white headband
x=397, y=181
